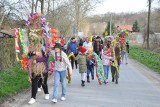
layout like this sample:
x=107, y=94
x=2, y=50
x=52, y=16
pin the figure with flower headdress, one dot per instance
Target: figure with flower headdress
x=37, y=54
x=116, y=54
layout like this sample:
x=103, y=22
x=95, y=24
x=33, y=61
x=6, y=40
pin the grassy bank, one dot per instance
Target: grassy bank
x=12, y=80
x=146, y=57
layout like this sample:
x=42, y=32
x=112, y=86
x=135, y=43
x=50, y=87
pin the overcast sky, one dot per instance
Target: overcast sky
x=119, y=6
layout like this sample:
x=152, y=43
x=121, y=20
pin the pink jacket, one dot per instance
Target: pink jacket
x=106, y=59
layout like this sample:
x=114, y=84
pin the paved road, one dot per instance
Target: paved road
x=135, y=89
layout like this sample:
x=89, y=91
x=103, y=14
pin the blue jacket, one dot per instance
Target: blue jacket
x=72, y=47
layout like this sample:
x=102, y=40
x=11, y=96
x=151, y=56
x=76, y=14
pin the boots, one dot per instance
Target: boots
x=112, y=79
x=92, y=77
x=116, y=81
x=88, y=79
x=83, y=83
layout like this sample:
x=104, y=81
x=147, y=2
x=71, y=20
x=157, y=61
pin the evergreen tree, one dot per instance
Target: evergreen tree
x=107, y=29
x=135, y=27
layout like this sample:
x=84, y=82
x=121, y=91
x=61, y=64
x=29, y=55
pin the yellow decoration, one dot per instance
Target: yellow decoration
x=70, y=55
x=106, y=33
x=90, y=38
x=90, y=50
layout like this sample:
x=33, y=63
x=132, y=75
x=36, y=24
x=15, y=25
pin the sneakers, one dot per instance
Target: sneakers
x=39, y=89
x=54, y=100
x=31, y=101
x=63, y=98
x=46, y=96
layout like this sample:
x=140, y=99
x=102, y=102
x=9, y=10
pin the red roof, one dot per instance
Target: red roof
x=128, y=27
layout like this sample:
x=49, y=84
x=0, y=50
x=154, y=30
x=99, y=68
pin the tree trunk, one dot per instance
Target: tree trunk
x=36, y=5
x=48, y=9
x=148, y=25
x=42, y=7
x=32, y=6
x=1, y=21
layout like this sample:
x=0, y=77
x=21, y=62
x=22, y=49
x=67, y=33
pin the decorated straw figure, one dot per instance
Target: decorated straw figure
x=99, y=69
x=35, y=33
x=39, y=36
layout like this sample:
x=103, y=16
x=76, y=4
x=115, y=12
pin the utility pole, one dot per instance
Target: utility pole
x=148, y=25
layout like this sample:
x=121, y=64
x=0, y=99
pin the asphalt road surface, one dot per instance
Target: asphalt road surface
x=138, y=87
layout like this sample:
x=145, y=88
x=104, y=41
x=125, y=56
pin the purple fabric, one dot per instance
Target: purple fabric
x=45, y=60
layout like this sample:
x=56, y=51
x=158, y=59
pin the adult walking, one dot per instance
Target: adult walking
x=87, y=44
x=97, y=45
x=73, y=47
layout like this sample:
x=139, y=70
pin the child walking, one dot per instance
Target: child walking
x=106, y=57
x=90, y=67
x=61, y=64
x=82, y=61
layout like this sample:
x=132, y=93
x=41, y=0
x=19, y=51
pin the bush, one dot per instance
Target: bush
x=146, y=57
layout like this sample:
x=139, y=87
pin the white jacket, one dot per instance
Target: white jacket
x=61, y=66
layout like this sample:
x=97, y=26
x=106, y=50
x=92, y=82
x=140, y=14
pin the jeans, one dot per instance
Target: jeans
x=125, y=55
x=90, y=69
x=106, y=71
x=59, y=76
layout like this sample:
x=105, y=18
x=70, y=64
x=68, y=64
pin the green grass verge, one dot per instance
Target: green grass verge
x=12, y=80
x=146, y=57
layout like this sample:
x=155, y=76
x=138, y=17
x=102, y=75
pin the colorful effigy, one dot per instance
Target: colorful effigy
x=99, y=69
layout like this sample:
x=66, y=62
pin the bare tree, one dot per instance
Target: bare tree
x=8, y=8
x=32, y=6
x=80, y=9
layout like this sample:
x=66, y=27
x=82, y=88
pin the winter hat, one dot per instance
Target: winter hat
x=82, y=49
x=98, y=37
x=58, y=45
x=72, y=38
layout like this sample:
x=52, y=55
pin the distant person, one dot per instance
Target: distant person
x=125, y=51
x=80, y=41
x=73, y=47
x=97, y=45
x=87, y=44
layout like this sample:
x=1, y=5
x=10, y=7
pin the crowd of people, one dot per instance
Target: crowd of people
x=109, y=49
x=93, y=57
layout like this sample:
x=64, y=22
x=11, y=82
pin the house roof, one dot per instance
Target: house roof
x=128, y=27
